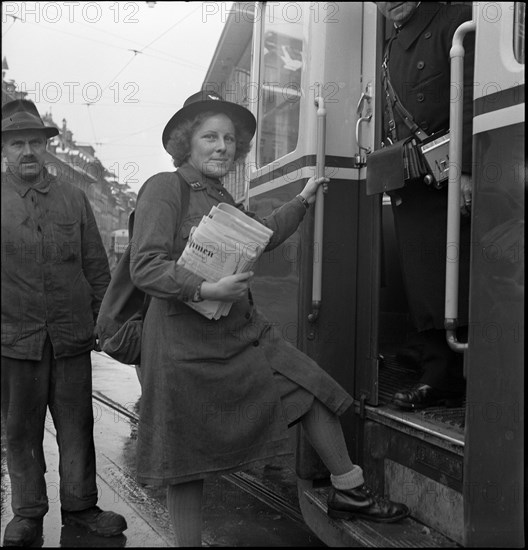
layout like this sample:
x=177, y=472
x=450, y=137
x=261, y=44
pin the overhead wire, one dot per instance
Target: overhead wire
x=119, y=72
x=167, y=58
x=170, y=58
x=136, y=52
x=12, y=24
x=88, y=105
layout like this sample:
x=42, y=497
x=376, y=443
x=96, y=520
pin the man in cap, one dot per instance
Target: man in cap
x=54, y=275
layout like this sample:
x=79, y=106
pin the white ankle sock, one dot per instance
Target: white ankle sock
x=350, y=480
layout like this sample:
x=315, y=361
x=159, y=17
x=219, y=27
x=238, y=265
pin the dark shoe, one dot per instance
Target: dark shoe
x=104, y=524
x=422, y=396
x=22, y=531
x=362, y=503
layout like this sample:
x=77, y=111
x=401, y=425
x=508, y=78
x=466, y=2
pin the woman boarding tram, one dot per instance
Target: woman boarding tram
x=203, y=380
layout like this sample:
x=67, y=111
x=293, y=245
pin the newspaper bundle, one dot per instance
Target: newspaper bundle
x=226, y=242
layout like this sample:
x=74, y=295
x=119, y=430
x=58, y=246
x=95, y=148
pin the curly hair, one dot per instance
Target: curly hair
x=179, y=143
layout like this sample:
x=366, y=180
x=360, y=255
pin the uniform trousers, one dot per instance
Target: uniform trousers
x=442, y=367
x=28, y=389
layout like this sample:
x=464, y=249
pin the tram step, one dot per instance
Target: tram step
x=407, y=533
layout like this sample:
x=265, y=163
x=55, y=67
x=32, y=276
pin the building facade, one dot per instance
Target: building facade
x=111, y=201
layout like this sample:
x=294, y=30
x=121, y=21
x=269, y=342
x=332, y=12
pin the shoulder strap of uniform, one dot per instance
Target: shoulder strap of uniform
x=393, y=99
x=186, y=197
x=184, y=206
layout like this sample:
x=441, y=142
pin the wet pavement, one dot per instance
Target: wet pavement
x=232, y=517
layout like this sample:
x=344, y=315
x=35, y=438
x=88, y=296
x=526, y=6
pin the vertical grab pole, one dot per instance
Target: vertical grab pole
x=453, y=196
x=319, y=212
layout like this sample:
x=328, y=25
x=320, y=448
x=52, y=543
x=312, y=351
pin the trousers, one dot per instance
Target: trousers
x=442, y=367
x=28, y=389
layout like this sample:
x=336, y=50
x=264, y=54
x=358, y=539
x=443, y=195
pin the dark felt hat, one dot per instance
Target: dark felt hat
x=210, y=101
x=22, y=114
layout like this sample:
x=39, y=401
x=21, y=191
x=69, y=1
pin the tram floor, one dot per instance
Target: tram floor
x=395, y=374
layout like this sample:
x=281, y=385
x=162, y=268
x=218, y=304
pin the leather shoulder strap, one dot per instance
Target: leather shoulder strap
x=393, y=99
x=184, y=205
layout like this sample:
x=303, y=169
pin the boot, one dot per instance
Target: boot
x=104, y=524
x=22, y=531
x=360, y=502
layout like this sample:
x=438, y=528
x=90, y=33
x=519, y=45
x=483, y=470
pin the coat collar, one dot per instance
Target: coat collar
x=198, y=181
x=424, y=14
x=22, y=187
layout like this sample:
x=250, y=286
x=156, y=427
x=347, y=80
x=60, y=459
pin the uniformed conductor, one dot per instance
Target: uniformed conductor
x=419, y=68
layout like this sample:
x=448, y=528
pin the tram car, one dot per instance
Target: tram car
x=118, y=245
x=119, y=241
x=310, y=73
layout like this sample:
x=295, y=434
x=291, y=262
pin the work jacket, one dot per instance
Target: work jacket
x=54, y=268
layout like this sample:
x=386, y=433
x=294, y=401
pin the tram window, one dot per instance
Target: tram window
x=518, y=31
x=280, y=86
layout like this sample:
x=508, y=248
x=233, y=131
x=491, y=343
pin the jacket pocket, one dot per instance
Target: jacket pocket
x=66, y=237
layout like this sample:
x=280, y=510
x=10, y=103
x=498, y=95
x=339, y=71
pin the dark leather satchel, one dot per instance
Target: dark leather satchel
x=385, y=169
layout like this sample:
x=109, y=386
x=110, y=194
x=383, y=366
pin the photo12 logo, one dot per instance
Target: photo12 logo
x=79, y=92
x=271, y=12
x=55, y=12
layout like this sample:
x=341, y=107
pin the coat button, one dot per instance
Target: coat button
x=256, y=343
x=424, y=125
x=420, y=97
x=248, y=315
x=420, y=65
x=427, y=35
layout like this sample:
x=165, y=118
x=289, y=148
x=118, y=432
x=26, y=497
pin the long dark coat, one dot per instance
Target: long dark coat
x=419, y=68
x=210, y=403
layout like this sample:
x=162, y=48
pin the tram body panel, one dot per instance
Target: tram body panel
x=330, y=45
x=276, y=177
x=494, y=458
x=428, y=464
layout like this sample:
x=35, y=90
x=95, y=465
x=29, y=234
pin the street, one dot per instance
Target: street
x=232, y=516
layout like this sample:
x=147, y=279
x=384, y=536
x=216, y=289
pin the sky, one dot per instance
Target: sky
x=116, y=71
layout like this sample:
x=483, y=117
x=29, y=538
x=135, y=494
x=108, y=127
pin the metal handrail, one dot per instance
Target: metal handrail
x=361, y=159
x=456, y=54
x=319, y=212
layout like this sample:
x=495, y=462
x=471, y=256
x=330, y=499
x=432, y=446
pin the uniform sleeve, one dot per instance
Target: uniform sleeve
x=283, y=221
x=94, y=258
x=153, y=268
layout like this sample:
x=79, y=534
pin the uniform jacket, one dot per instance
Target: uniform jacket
x=419, y=66
x=54, y=268
x=209, y=402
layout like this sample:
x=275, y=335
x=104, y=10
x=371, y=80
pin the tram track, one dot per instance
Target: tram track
x=241, y=480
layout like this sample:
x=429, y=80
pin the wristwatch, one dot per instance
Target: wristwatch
x=304, y=202
x=198, y=293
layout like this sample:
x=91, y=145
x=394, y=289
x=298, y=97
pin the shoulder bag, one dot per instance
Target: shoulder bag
x=420, y=156
x=120, y=320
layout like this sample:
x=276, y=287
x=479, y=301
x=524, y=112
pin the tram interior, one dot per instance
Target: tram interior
x=398, y=351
